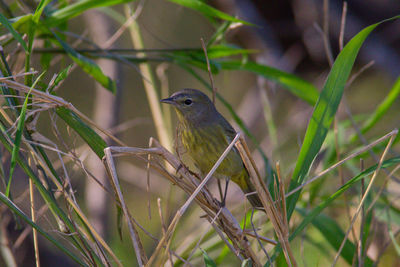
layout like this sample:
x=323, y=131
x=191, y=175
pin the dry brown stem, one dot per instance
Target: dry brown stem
x=276, y=217
x=225, y=224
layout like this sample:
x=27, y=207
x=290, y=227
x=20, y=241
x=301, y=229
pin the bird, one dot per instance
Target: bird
x=205, y=134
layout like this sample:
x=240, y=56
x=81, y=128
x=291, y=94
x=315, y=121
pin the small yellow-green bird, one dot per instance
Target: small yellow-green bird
x=205, y=134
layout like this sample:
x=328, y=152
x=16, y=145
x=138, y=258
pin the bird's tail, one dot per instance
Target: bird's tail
x=251, y=193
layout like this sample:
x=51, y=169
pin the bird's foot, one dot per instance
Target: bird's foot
x=221, y=204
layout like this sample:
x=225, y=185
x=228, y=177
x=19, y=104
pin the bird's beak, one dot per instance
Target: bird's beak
x=169, y=100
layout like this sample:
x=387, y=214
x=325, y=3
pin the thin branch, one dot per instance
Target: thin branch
x=327, y=45
x=342, y=25
x=137, y=245
x=164, y=229
x=181, y=211
x=209, y=70
x=115, y=50
x=266, y=199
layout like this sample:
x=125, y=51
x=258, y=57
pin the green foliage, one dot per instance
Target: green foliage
x=94, y=141
x=20, y=213
x=381, y=110
x=325, y=111
x=88, y=66
x=18, y=136
x=4, y=21
x=47, y=27
x=207, y=10
x=334, y=235
x=77, y=8
x=207, y=260
x=294, y=84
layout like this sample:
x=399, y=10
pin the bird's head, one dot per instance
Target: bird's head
x=191, y=105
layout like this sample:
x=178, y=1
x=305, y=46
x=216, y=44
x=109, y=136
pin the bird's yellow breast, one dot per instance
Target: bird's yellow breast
x=205, y=145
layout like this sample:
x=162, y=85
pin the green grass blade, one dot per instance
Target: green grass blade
x=334, y=235
x=89, y=66
x=21, y=214
x=381, y=109
x=325, y=111
x=59, y=78
x=39, y=10
x=295, y=85
x=368, y=224
x=219, y=33
x=96, y=143
x=46, y=195
x=208, y=262
x=316, y=211
x=18, y=136
x=14, y=33
x=78, y=8
x=213, y=52
x=394, y=242
x=386, y=212
x=207, y=10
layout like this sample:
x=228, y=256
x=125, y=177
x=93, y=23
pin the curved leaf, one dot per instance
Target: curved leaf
x=78, y=8
x=334, y=235
x=96, y=143
x=22, y=215
x=325, y=111
x=381, y=109
x=89, y=66
x=14, y=33
x=207, y=10
x=294, y=84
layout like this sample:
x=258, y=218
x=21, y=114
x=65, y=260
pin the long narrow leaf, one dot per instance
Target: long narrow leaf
x=78, y=8
x=325, y=111
x=316, y=211
x=39, y=10
x=207, y=10
x=46, y=195
x=88, y=134
x=18, y=136
x=22, y=215
x=89, y=66
x=381, y=109
x=208, y=262
x=334, y=235
x=294, y=84
x=14, y=33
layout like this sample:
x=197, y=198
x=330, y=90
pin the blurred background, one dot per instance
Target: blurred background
x=286, y=35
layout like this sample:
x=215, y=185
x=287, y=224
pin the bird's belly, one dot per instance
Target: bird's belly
x=205, y=149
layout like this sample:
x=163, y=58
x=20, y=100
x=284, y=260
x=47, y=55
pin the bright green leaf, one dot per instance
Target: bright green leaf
x=381, y=109
x=18, y=136
x=22, y=215
x=89, y=66
x=60, y=77
x=325, y=111
x=207, y=10
x=207, y=260
x=78, y=8
x=88, y=134
x=334, y=235
x=39, y=10
x=295, y=85
x=14, y=33
x=316, y=211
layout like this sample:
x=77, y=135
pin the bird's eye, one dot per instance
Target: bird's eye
x=188, y=102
